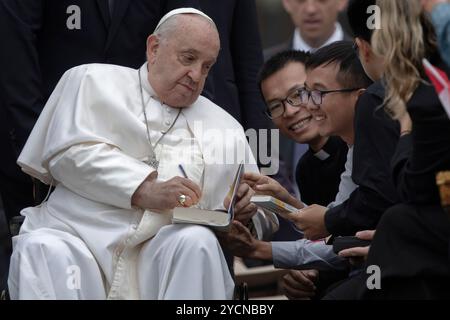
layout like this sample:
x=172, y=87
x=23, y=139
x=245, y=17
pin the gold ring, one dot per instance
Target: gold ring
x=182, y=199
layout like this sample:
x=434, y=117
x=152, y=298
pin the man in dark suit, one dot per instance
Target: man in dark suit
x=232, y=80
x=41, y=40
x=316, y=25
x=5, y=249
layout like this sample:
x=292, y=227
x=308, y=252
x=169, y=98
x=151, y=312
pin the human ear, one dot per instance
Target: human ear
x=342, y=4
x=365, y=53
x=287, y=6
x=360, y=92
x=152, y=48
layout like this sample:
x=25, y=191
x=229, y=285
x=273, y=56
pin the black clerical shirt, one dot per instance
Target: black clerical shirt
x=318, y=173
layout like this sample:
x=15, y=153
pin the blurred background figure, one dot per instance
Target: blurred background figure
x=440, y=16
x=316, y=25
x=232, y=80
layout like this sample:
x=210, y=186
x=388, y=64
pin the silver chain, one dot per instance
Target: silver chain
x=152, y=161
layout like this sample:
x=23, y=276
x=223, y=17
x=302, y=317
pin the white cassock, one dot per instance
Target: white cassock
x=87, y=241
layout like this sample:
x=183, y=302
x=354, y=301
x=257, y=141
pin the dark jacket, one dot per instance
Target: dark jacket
x=40, y=43
x=287, y=45
x=426, y=151
x=41, y=39
x=376, y=137
x=232, y=82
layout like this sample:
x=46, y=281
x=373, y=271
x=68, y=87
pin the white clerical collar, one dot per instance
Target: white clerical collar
x=299, y=44
x=322, y=155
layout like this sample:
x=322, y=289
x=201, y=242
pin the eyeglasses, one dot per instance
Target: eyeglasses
x=277, y=108
x=317, y=95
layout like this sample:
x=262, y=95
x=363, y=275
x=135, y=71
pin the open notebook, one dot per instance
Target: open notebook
x=218, y=219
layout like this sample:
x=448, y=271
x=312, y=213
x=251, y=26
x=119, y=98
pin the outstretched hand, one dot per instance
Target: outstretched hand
x=244, y=210
x=311, y=220
x=239, y=241
x=264, y=185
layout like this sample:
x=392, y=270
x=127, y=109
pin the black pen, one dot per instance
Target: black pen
x=182, y=171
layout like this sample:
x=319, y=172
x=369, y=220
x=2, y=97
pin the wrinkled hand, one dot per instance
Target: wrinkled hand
x=299, y=284
x=265, y=185
x=160, y=196
x=238, y=240
x=358, y=255
x=244, y=210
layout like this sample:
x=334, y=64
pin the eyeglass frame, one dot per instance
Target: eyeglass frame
x=323, y=93
x=283, y=103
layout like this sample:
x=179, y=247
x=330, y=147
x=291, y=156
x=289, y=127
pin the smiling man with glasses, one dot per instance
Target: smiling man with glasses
x=334, y=82
x=316, y=96
x=282, y=82
x=332, y=89
x=276, y=108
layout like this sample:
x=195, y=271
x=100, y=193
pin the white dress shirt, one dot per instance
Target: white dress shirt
x=300, y=44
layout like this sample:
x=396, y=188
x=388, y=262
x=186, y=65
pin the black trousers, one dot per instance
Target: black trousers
x=16, y=191
x=346, y=289
x=16, y=188
x=5, y=250
x=411, y=247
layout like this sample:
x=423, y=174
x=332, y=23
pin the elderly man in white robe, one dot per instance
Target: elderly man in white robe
x=111, y=140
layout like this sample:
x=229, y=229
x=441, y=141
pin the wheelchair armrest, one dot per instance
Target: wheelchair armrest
x=15, y=223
